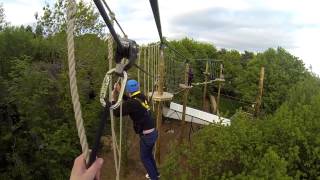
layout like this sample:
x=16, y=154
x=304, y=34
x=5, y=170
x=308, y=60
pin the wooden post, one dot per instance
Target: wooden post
x=185, y=99
x=213, y=103
x=159, y=105
x=219, y=89
x=144, y=67
x=205, y=86
x=148, y=68
x=139, y=63
x=259, y=97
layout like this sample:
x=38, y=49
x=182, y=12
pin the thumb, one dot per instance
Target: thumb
x=94, y=168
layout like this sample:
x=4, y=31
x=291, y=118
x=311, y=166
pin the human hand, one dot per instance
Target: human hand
x=115, y=91
x=117, y=87
x=80, y=171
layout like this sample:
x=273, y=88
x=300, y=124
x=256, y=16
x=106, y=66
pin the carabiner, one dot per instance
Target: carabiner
x=105, y=85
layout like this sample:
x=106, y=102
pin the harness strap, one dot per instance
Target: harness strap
x=144, y=104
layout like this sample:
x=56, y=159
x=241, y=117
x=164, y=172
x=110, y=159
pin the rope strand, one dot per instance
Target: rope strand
x=71, y=11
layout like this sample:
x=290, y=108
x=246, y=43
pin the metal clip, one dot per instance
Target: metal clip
x=105, y=85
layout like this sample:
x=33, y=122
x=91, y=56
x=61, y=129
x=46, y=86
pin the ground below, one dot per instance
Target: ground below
x=170, y=132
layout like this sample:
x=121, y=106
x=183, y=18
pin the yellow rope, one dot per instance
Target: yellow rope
x=71, y=11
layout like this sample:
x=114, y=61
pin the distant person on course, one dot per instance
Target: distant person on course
x=135, y=105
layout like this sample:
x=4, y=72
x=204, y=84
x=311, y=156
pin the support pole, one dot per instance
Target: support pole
x=152, y=67
x=148, y=65
x=159, y=105
x=144, y=67
x=154, y=64
x=185, y=99
x=219, y=89
x=259, y=97
x=205, y=86
x=139, y=63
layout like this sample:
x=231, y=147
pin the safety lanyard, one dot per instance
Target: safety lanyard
x=106, y=109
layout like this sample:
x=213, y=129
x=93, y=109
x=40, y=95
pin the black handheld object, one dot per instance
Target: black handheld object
x=104, y=115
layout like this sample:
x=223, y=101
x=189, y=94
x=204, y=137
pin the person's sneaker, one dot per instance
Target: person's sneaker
x=148, y=177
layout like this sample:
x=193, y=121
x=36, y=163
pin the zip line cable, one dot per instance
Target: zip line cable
x=177, y=52
x=142, y=70
x=156, y=15
x=106, y=19
x=113, y=17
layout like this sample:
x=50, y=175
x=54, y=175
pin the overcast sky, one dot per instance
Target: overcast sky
x=252, y=25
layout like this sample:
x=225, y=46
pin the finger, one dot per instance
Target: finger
x=115, y=86
x=98, y=175
x=79, y=163
x=94, y=168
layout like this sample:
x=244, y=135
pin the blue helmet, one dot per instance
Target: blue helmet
x=132, y=86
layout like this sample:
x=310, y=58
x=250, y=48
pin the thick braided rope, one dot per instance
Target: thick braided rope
x=71, y=11
x=110, y=58
x=115, y=146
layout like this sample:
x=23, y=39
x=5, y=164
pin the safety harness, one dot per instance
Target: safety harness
x=143, y=103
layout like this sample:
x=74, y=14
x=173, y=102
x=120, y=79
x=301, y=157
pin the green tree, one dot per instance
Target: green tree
x=282, y=71
x=280, y=146
x=38, y=138
x=2, y=17
x=54, y=19
x=196, y=53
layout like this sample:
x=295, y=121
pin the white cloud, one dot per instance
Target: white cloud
x=307, y=43
x=299, y=33
x=20, y=12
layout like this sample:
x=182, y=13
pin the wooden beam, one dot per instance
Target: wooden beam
x=259, y=97
x=185, y=99
x=219, y=89
x=205, y=86
x=159, y=105
x=213, y=103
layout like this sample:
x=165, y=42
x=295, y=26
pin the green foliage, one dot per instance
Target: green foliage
x=192, y=50
x=282, y=71
x=38, y=138
x=39, y=141
x=2, y=17
x=54, y=19
x=280, y=146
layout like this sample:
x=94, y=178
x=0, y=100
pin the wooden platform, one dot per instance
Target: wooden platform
x=183, y=86
x=166, y=96
x=218, y=80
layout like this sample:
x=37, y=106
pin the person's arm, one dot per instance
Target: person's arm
x=127, y=107
x=127, y=104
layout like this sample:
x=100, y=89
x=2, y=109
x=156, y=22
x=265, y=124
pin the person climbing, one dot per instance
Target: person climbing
x=190, y=76
x=135, y=105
